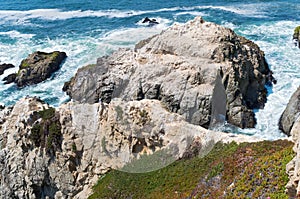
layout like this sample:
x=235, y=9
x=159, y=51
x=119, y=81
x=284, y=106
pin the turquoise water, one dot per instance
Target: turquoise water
x=86, y=30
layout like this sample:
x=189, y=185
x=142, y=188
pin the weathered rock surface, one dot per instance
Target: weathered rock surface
x=37, y=67
x=289, y=123
x=293, y=167
x=10, y=78
x=134, y=102
x=94, y=138
x=4, y=67
x=291, y=113
x=200, y=70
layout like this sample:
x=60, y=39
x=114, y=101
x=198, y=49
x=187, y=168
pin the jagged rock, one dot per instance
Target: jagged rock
x=38, y=66
x=289, y=123
x=291, y=113
x=10, y=78
x=4, y=67
x=182, y=67
x=198, y=72
x=95, y=138
x=293, y=167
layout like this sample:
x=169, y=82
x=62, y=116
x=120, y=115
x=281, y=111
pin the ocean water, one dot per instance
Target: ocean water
x=86, y=30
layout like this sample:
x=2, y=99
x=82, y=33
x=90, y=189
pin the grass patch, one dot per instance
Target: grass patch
x=248, y=170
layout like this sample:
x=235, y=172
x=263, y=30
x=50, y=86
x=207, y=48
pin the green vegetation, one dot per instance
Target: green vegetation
x=88, y=66
x=248, y=170
x=152, y=162
x=24, y=64
x=47, y=132
x=47, y=113
x=54, y=55
x=297, y=30
x=74, y=148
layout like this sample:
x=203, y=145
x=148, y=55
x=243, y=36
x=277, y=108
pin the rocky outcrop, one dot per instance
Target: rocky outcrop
x=62, y=153
x=36, y=68
x=4, y=67
x=290, y=114
x=10, y=78
x=289, y=123
x=200, y=70
x=293, y=167
x=133, y=104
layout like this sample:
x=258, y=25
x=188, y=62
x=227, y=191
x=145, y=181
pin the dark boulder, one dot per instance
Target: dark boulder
x=290, y=114
x=10, y=78
x=3, y=67
x=38, y=66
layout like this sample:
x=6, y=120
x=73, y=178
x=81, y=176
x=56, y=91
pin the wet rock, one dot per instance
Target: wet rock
x=4, y=67
x=10, y=78
x=38, y=67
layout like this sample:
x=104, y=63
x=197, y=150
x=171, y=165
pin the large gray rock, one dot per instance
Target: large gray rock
x=200, y=70
x=95, y=138
x=289, y=123
x=293, y=167
x=290, y=113
x=37, y=67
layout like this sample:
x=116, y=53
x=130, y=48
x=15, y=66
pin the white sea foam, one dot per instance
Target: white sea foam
x=57, y=14
x=194, y=13
x=248, y=10
x=275, y=39
x=15, y=34
x=24, y=17
x=80, y=50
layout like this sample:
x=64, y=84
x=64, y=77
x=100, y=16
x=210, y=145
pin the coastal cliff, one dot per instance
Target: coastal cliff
x=149, y=102
x=62, y=153
x=290, y=124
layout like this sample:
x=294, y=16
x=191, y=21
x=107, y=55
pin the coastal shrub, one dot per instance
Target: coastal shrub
x=35, y=135
x=46, y=133
x=47, y=113
x=248, y=170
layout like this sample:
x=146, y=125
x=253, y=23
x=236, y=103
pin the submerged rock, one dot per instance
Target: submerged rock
x=10, y=78
x=37, y=67
x=4, y=67
x=200, y=70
